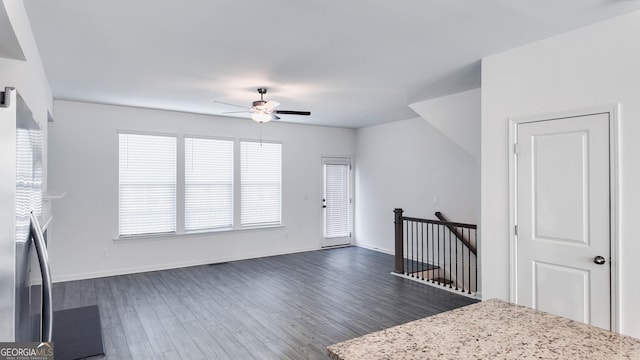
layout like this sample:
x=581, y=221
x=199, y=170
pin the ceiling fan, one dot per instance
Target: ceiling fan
x=264, y=111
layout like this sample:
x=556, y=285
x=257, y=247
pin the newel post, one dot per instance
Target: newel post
x=399, y=240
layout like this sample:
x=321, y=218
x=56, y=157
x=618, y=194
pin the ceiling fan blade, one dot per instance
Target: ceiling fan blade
x=236, y=112
x=291, y=112
x=270, y=105
x=224, y=103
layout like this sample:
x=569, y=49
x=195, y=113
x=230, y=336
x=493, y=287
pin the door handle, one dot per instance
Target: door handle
x=599, y=260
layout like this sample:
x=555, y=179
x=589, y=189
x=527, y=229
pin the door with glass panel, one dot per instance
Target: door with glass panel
x=336, y=201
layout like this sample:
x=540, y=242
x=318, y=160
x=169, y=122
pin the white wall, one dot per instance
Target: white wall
x=457, y=116
x=595, y=65
x=84, y=161
x=404, y=164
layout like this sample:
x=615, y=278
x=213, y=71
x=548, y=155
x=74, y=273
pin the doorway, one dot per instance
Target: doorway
x=336, y=201
x=563, y=214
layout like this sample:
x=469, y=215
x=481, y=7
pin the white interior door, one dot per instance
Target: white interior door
x=563, y=218
x=336, y=201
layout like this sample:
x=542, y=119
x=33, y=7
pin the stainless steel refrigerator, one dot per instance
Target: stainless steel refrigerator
x=25, y=298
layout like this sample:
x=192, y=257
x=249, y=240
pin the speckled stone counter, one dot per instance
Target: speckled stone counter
x=492, y=329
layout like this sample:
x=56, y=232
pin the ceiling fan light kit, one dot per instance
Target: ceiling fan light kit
x=261, y=117
x=264, y=111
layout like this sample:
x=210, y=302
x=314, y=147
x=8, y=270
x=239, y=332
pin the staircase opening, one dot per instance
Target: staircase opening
x=437, y=252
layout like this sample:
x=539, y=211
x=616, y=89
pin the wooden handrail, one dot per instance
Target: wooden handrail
x=456, y=233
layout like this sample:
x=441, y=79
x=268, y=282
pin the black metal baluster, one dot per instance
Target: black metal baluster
x=417, y=249
x=413, y=242
x=410, y=229
x=463, y=283
x=450, y=272
x=428, y=262
x=475, y=243
x=438, y=253
x=422, y=251
x=405, y=225
x=439, y=263
x=469, y=253
x=433, y=254
x=457, y=263
x=444, y=257
x=413, y=249
x=442, y=254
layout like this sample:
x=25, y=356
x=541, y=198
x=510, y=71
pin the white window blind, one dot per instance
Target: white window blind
x=336, y=200
x=260, y=183
x=208, y=184
x=147, y=179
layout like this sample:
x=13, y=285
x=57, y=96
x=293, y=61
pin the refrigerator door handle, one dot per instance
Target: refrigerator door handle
x=47, y=294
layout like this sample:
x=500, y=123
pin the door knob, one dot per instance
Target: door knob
x=599, y=260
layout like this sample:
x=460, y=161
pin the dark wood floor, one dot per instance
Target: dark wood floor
x=280, y=307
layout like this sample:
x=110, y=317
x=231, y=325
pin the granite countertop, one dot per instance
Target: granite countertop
x=492, y=329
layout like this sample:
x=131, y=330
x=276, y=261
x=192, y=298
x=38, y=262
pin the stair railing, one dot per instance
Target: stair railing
x=457, y=233
x=437, y=252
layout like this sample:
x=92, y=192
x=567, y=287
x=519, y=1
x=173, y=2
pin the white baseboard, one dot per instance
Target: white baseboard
x=374, y=248
x=141, y=269
x=457, y=292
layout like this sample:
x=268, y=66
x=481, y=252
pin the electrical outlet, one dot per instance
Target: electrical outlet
x=105, y=253
x=435, y=199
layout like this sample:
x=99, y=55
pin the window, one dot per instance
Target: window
x=147, y=180
x=261, y=183
x=208, y=184
x=151, y=176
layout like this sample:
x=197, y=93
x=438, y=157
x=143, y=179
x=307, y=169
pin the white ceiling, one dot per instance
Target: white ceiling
x=351, y=63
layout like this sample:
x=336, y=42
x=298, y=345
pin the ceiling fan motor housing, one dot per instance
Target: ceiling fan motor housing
x=259, y=104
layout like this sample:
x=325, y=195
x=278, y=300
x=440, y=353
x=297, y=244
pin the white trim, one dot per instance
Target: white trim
x=614, y=207
x=134, y=270
x=209, y=137
x=513, y=250
x=260, y=141
x=457, y=292
x=374, y=248
x=613, y=110
x=199, y=233
x=149, y=133
x=336, y=160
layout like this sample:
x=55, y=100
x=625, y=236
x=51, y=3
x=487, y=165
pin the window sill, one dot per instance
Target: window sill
x=188, y=234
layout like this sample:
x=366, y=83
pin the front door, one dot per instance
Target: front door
x=336, y=201
x=563, y=217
